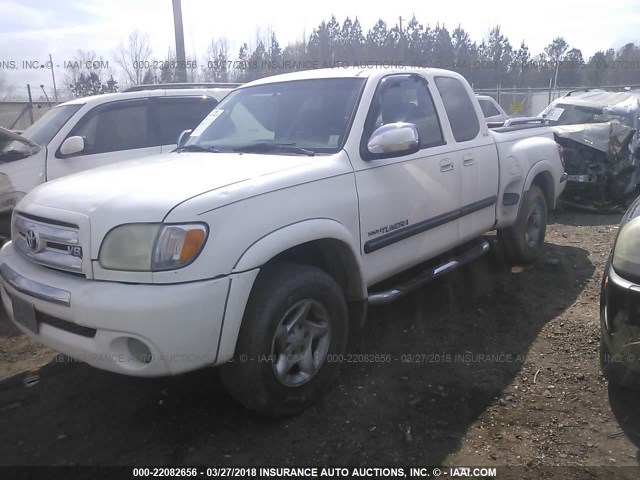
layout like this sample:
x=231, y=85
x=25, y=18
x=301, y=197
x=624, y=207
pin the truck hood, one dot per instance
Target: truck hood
x=150, y=187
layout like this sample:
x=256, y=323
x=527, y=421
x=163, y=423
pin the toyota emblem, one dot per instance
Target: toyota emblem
x=33, y=240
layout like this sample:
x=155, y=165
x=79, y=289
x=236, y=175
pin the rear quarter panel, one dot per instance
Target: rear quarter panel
x=523, y=155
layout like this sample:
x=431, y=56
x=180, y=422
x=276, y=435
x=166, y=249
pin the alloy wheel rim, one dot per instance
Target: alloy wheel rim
x=300, y=343
x=534, y=226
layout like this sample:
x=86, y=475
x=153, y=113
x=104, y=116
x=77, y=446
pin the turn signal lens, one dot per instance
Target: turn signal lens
x=193, y=241
x=178, y=245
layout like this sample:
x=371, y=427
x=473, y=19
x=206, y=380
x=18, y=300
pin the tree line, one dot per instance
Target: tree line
x=492, y=62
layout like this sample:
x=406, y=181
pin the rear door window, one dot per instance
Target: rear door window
x=457, y=103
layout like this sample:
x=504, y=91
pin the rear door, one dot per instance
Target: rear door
x=170, y=116
x=409, y=203
x=477, y=156
x=112, y=132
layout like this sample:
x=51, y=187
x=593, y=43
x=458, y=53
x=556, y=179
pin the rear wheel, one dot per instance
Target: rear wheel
x=294, y=325
x=523, y=241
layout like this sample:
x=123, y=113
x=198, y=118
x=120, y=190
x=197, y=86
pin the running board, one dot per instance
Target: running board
x=476, y=250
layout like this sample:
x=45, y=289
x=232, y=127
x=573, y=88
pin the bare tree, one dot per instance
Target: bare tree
x=134, y=56
x=6, y=89
x=218, y=65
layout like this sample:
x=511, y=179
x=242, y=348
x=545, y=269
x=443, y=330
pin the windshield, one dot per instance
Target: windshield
x=40, y=133
x=299, y=117
x=563, y=114
x=43, y=131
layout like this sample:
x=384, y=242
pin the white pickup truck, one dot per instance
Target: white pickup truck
x=259, y=243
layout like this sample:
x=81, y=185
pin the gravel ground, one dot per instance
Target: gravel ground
x=491, y=366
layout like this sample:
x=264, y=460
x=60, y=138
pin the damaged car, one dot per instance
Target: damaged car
x=598, y=133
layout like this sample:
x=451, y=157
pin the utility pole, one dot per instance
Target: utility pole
x=555, y=79
x=401, y=40
x=53, y=77
x=30, y=103
x=181, y=71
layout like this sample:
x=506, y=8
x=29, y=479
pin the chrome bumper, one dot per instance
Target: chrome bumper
x=33, y=288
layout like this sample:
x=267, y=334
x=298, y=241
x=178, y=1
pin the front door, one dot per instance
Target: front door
x=409, y=203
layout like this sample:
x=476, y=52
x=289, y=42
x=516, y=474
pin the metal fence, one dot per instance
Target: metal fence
x=19, y=115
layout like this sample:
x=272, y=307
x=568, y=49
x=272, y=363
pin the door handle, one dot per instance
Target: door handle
x=446, y=165
x=467, y=159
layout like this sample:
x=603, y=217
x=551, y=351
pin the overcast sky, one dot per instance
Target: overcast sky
x=31, y=29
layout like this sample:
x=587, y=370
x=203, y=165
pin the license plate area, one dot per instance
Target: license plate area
x=583, y=178
x=24, y=313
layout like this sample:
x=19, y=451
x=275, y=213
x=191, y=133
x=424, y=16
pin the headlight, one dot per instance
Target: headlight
x=626, y=253
x=144, y=247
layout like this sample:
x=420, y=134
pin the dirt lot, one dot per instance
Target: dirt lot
x=490, y=366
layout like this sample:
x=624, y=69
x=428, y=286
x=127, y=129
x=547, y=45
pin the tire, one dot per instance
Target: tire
x=295, y=324
x=615, y=370
x=523, y=242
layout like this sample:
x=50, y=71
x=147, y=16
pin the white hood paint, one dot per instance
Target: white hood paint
x=153, y=185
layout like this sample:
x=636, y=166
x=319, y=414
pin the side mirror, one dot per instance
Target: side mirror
x=184, y=136
x=394, y=138
x=72, y=145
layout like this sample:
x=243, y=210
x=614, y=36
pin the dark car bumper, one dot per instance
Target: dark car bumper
x=620, y=323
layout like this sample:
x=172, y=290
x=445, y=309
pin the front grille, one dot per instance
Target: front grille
x=65, y=325
x=48, y=242
x=623, y=306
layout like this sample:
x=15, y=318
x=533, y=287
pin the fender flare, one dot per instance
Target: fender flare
x=541, y=167
x=289, y=236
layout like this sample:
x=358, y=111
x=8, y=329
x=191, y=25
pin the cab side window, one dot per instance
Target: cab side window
x=405, y=98
x=175, y=115
x=114, y=127
x=462, y=115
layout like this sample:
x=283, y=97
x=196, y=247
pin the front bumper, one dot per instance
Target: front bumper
x=102, y=323
x=620, y=320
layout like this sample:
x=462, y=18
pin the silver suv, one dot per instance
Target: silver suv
x=93, y=131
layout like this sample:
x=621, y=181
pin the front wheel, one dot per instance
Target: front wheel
x=523, y=241
x=295, y=323
x=616, y=371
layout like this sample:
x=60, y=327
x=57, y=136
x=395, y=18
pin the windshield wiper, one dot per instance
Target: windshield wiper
x=196, y=148
x=263, y=147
